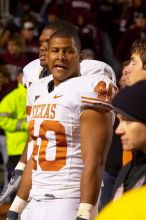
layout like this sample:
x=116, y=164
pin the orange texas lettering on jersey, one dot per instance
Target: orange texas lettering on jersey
x=43, y=111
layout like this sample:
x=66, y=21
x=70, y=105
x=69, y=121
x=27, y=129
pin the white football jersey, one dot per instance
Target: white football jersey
x=31, y=72
x=55, y=129
x=90, y=67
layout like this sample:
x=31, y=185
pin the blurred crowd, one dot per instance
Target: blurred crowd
x=107, y=28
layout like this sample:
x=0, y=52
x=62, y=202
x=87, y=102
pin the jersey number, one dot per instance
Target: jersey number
x=103, y=93
x=40, y=149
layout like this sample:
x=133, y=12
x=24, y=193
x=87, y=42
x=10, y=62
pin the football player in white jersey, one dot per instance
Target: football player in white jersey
x=71, y=126
x=33, y=71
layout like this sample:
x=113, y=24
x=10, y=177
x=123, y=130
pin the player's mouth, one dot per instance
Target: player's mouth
x=60, y=67
x=42, y=57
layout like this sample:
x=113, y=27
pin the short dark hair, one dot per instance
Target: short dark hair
x=59, y=24
x=139, y=46
x=69, y=33
x=126, y=63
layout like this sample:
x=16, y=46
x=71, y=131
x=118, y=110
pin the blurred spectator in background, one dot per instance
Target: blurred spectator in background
x=14, y=57
x=13, y=122
x=73, y=9
x=5, y=34
x=23, y=7
x=6, y=85
x=53, y=11
x=91, y=37
x=108, y=17
x=108, y=14
x=135, y=10
x=138, y=30
x=29, y=35
x=88, y=54
x=83, y=15
x=6, y=31
x=98, y=22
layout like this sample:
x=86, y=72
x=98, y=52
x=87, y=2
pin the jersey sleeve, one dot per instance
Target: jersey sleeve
x=32, y=92
x=98, y=93
x=31, y=72
x=92, y=67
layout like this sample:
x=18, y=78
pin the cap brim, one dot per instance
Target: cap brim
x=120, y=111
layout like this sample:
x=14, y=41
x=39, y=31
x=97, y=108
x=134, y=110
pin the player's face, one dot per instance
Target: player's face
x=132, y=134
x=63, y=59
x=45, y=36
x=135, y=68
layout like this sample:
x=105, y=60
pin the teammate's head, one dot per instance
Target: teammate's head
x=130, y=104
x=137, y=65
x=47, y=32
x=64, y=55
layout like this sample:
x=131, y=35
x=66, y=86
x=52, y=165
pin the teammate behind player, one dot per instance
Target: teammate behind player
x=68, y=160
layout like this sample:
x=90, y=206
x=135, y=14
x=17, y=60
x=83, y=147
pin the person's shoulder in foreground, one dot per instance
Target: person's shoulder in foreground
x=131, y=206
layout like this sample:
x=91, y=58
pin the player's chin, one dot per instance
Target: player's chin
x=43, y=63
x=60, y=76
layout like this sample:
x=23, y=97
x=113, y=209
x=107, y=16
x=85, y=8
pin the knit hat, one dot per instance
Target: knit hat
x=131, y=102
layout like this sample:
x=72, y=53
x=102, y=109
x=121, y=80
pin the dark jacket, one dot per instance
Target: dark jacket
x=132, y=175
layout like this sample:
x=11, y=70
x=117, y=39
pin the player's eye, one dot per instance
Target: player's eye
x=54, y=50
x=69, y=50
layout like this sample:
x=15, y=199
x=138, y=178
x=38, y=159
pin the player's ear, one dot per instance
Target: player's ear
x=81, y=57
